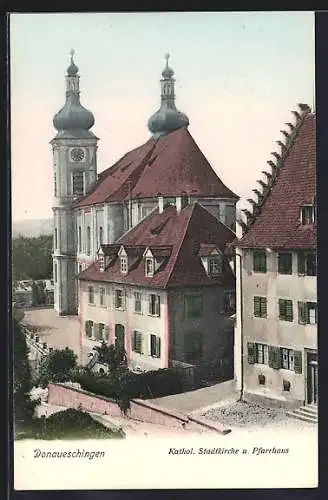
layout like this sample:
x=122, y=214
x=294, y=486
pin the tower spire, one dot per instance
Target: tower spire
x=167, y=118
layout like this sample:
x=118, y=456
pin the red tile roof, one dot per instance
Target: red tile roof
x=169, y=166
x=278, y=225
x=178, y=242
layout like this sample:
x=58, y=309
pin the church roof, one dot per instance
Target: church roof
x=169, y=166
x=174, y=239
x=278, y=224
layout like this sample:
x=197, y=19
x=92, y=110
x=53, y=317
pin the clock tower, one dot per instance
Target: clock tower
x=74, y=173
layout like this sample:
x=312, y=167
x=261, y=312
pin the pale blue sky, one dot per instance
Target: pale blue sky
x=238, y=76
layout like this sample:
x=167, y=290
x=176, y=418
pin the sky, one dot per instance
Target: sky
x=238, y=77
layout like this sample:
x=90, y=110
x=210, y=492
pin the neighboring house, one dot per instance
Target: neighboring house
x=276, y=331
x=164, y=291
x=90, y=209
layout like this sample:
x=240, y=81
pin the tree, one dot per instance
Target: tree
x=32, y=257
x=114, y=357
x=23, y=406
x=57, y=366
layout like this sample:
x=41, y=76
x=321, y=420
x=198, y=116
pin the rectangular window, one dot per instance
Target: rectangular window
x=193, y=305
x=137, y=342
x=262, y=354
x=102, y=296
x=79, y=237
x=137, y=302
x=307, y=214
x=260, y=307
x=91, y=295
x=307, y=313
x=101, y=236
x=214, y=265
x=259, y=262
x=89, y=329
x=149, y=266
x=155, y=346
x=307, y=263
x=287, y=359
x=55, y=272
x=285, y=263
x=119, y=299
x=124, y=265
x=286, y=310
x=154, y=305
x=193, y=347
x=229, y=302
x=56, y=239
x=102, y=335
x=88, y=240
x=78, y=183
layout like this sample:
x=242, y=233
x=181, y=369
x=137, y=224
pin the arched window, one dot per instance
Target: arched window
x=88, y=240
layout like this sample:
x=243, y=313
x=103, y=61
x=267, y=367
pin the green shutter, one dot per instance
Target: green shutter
x=263, y=307
x=298, y=361
x=88, y=328
x=134, y=341
x=251, y=351
x=257, y=308
x=302, y=313
x=158, y=347
x=289, y=310
x=106, y=333
x=158, y=305
x=150, y=304
x=274, y=357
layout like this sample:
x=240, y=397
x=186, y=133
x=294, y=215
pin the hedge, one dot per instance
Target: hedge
x=145, y=385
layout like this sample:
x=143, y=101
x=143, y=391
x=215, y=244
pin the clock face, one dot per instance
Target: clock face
x=77, y=154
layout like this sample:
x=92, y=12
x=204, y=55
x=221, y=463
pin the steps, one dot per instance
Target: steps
x=308, y=413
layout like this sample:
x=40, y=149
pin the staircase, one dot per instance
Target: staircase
x=307, y=413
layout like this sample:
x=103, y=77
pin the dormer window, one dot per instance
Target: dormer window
x=101, y=261
x=124, y=265
x=214, y=265
x=149, y=266
x=307, y=215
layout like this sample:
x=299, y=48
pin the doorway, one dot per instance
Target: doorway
x=119, y=336
x=312, y=378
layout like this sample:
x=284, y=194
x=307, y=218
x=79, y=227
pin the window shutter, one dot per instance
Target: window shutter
x=274, y=357
x=139, y=342
x=264, y=310
x=302, y=313
x=106, y=333
x=251, y=350
x=153, y=345
x=257, y=306
x=158, y=305
x=150, y=304
x=88, y=328
x=298, y=361
x=158, y=347
x=281, y=309
x=134, y=341
x=289, y=310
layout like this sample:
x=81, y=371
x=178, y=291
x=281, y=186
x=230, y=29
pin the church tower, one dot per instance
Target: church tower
x=75, y=172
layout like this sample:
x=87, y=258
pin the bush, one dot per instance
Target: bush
x=145, y=385
x=57, y=366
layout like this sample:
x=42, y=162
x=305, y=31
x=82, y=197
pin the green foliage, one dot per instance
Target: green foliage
x=57, y=366
x=32, y=257
x=23, y=406
x=127, y=385
x=113, y=357
x=67, y=424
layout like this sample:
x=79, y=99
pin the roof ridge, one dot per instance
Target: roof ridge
x=286, y=149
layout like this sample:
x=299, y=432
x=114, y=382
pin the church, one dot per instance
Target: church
x=91, y=209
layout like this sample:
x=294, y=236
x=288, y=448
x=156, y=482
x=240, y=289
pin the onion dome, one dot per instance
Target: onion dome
x=73, y=116
x=168, y=118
